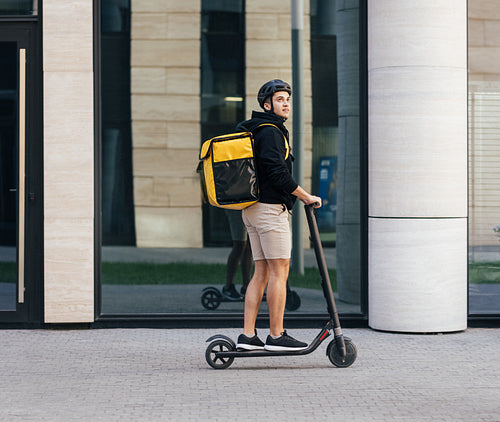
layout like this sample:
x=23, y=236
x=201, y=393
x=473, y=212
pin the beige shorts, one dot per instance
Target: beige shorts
x=269, y=231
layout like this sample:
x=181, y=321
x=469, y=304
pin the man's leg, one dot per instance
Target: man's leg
x=276, y=293
x=253, y=296
x=276, y=301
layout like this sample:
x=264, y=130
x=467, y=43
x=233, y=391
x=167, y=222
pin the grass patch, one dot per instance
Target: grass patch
x=175, y=273
x=484, y=272
x=8, y=272
x=186, y=273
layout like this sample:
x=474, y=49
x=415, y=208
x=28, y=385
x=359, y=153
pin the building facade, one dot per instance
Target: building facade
x=106, y=104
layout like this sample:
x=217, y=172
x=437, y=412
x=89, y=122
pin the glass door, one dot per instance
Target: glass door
x=20, y=186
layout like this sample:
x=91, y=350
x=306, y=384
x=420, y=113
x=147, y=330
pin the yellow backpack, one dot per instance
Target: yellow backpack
x=228, y=172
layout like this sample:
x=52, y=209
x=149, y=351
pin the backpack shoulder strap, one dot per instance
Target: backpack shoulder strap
x=287, y=147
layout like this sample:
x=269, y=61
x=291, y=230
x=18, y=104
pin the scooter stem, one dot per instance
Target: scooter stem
x=325, y=278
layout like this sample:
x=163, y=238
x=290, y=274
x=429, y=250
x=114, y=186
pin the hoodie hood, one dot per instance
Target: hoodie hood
x=259, y=117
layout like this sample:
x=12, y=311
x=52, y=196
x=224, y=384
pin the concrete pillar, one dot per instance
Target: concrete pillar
x=417, y=78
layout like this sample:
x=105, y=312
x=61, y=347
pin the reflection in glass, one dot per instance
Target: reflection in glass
x=484, y=203
x=336, y=140
x=8, y=174
x=117, y=198
x=154, y=120
x=19, y=7
x=484, y=164
x=171, y=280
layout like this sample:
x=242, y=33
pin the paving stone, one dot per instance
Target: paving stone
x=162, y=375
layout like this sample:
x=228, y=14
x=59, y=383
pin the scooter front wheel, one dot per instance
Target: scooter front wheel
x=217, y=346
x=336, y=358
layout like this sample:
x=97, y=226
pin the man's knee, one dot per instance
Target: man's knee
x=279, y=268
x=261, y=271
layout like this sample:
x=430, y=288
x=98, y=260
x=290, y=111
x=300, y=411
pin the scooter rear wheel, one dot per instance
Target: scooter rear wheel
x=211, y=298
x=215, y=347
x=335, y=357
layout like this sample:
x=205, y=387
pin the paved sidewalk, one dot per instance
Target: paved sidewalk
x=161, y=375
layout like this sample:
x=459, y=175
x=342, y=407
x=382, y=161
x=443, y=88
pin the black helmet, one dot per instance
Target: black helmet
x=269, y=88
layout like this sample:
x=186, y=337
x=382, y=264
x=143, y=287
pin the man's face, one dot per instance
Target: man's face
x=281, y=104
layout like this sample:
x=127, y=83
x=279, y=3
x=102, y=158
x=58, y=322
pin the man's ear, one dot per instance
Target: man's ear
x=267, y=106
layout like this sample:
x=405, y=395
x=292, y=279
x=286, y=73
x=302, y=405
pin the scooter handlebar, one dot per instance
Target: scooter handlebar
x=313, y=204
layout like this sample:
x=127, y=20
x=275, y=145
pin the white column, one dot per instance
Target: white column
x=417, y=67
x=68, y=146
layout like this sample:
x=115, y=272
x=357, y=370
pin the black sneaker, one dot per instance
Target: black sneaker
x=249, y=343
x=284, y=343
x=231, y=293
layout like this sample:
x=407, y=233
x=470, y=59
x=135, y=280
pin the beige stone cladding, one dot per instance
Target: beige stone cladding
x=68, y=125
x=165, y=78
x=484, y=121
x=269, y=56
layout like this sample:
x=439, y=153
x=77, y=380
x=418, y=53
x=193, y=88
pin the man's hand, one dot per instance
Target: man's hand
x=307, y=198
x=315, y=201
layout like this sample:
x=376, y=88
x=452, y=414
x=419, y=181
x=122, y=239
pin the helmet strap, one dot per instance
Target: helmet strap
x=272, y=105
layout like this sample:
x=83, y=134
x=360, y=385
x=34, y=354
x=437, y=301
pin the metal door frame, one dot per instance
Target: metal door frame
x=26, y=32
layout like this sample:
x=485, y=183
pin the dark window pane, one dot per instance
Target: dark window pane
x=118, y=226
x=8, y=174
x=19, y=7
x=8, y=142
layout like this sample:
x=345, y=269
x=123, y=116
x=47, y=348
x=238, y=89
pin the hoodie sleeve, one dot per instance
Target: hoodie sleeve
x=271, y=151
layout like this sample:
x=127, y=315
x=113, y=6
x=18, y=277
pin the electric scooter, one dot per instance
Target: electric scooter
x=212, y=297
x=341, y=351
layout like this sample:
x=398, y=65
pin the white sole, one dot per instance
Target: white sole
x=243, y=347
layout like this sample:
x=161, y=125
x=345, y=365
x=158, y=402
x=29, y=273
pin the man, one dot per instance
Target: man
x=267, y=220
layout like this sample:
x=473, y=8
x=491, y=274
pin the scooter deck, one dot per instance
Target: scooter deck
x=266, y=353
x=324, y=333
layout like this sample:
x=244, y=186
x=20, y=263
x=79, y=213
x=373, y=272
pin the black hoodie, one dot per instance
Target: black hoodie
x=276, y=183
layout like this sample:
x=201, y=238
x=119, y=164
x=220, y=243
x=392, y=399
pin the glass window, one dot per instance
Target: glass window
x=19, y=7
x=157, y=106
x=336, y=142
x=172, y=78
x=8, y=174
x=484, y=160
